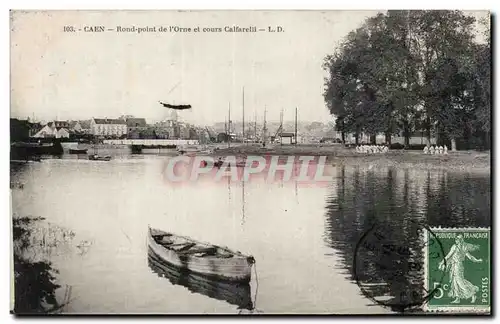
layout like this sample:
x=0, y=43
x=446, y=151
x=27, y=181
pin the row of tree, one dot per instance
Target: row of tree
x=408, y=71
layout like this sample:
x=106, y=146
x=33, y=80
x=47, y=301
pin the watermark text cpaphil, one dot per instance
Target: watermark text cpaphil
x=305, y=169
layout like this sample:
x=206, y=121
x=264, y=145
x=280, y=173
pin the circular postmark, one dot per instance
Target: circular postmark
x=389, y=264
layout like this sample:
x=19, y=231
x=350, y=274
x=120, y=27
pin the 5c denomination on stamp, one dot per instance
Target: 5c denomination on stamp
x=466, y=287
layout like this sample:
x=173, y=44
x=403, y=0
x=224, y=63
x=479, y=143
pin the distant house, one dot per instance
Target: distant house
x=287, y=138
x=108, y=127
x=145, y=133
x=164, y=129
x=75, y=126
x=51, y=130
x=61, y=124
x=193, y=133
x=162, y=132
x=416, y=138
x=137, y=128
x=225, y=137
x=62, y=133
x=222, y=137
x=136, y=124
x=46, y=132
x=85, y=124
x=183, y=131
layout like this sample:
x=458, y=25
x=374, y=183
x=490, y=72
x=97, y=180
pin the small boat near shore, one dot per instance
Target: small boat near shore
x=201, y=258
x=194, y=149
x=78, y=151
x=239, y=164
x=221, y=163
x=95, y=157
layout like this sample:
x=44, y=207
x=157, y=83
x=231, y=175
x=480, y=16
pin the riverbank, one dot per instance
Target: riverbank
x=286, y=150
x=339, y=155
x=455, y=161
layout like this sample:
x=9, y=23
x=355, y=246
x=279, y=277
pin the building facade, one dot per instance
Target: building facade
x=108, y=127
x=136, y=124
x=286, y=138
x=75, y=127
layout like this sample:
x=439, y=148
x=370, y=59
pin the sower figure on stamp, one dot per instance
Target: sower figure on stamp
x=460, y=288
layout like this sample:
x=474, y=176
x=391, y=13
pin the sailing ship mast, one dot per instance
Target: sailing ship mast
x=229, y=126
x=243, y=202
x=296, y=125
x=243, y=104
x=255, y=128
x=264, y=129
x=281, y=127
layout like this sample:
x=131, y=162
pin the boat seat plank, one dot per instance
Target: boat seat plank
x=209, y=250
x=184, y=247
x=179, y=244
x=225, y=256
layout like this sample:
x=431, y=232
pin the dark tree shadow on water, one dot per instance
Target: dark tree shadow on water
x=34, y=280
x=375, y=219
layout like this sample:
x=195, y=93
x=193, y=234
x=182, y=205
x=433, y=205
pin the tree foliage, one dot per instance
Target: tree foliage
x=404, y=71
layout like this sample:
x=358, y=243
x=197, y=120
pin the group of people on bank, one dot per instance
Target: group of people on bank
x=370, y=149
x=434, y=149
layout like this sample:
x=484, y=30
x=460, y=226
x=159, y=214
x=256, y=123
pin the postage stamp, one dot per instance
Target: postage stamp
x=466, y=285
x=397, y=261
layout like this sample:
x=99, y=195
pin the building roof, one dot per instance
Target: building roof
x=287, y=134
x=73, y=123
x=108, y=121
x=136, y=122
x=61, y=123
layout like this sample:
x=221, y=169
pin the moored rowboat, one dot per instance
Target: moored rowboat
x=96, y=157
x=201, y=258
x=77, y=151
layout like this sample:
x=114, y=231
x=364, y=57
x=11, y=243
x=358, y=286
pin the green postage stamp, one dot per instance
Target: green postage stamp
x=457, y=270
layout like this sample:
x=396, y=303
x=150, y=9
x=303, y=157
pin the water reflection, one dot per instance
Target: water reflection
x=398, y=202
x=283, y=225
x=238, y=294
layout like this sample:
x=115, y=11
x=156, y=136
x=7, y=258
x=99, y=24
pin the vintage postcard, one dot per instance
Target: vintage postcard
x=250, y=162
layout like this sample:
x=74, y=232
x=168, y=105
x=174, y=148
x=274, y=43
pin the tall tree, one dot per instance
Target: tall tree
x=406, y=70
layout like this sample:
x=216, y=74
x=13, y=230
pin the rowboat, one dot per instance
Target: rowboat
x=234, y=293
x=77, y=151
x=201, y=258
x=221, y=163
x=194, y=149
x=95, y=157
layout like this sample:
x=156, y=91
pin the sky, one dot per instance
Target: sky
x=80, y=75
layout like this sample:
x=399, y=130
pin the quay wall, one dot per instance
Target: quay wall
x=151, y=142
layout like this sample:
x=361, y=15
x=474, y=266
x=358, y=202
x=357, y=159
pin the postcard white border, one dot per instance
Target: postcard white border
x=176, y=4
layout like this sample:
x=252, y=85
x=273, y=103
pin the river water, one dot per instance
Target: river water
x=302, y=237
